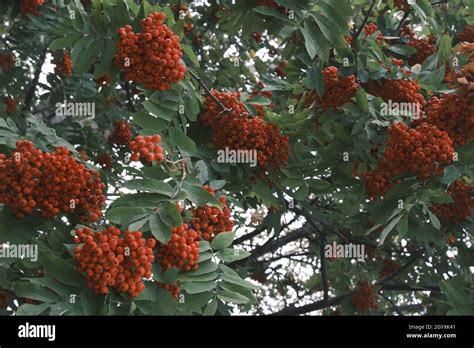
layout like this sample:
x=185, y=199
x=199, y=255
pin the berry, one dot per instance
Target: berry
x=104, y=80
x=104, y=160
x=424, y=49
x=396, y=90
x=30, y=6
x=467, y=35
x=338, y=90
x=147, y=149
x=182, y=251
x=208, y=221
x=365, y=298
x=106, y=260
x=6, y=60
x=235, y=130
x=151, y=57
x=54, y=181
x=280, y=69
x=389, y=267
x=63, y=65
x=173, y=289
x=461, y=208
x=424, y=151
x=12, y=104
x=454, y=114
x=122, y=133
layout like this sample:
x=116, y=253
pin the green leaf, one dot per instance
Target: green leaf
x=63, y=42
x=199, y=196
x=387, y=229
x=403, y=50
x=88, y=56
x=315, y=42
x=30, y=309
x=361, y=100
x=159, y=111
x=198, y=287
x=222, y=240
x=60, y=269
x=159, y=229
x=145, y=120
x=211, y=307
x=205, y=267
x=434, y=220
x=168, y=277
x=182, y=140
x=125, y=215
x=34, y=292
x=189, y=52
x=149, y=185
x=233, y=297
x=238, y=281
x=444, y=49
x=103, y=66
x=170, y=215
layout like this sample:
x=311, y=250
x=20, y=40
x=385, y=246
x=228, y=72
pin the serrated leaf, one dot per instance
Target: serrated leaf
x=222, y=240
x=149, y=185
x=159, y=229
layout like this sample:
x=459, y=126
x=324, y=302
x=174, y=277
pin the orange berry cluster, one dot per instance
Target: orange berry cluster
x=104, y=80
x=424, y=150
x=106, y=259
x=461, y=208
x=49, y=183
x=12, y=104
x=467, y=35
x=365, y=298
x=30, y=6
x=280, y=69
x=147, y=148
x=389, y=267
x=272, y=4
x=122, y=133
x=6, y=60
x=401, y=4
x=208, y=221
x=173, y=289
x=369, y=29
x=235, y=130
x=424, y=49
x=151, y=57
x=338, y=90
x=396, y=90
x=104, y=160
x=453, y=113
x=63, y=66
x=182, y=251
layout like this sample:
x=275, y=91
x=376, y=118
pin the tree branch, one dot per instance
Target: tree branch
x=366, y=18
x=203, y=85
x=31, y=90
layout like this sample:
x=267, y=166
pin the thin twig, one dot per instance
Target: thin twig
x=324, y=275
x=405, y=16
x=203, y=85
x=392, y=303
x=31, y=90
x=367, y=15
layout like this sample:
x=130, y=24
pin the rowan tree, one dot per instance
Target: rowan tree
x=114, y=116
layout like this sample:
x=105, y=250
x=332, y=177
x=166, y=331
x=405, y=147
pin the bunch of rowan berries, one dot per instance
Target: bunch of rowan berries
x=122, y=133
x=151, y=57
x=424, y=49
x=30, y=6
x=182, y=251
x=338, y=90
x=453, y=113
x=63, y=65
x=257, y=36
x=401, y=4
x=208, y=221
x=280, y=69
x=467, y=35
x=104, y=160
x=50, y=183
x=389, y=267
x=112, y=259
x=423, y=150
x=365, y=298
x=236, y=130
x=83, y=154
x=173, y=288
x=369, y=29
x=6, y=60
x=12, y=104
x=147, y=148
x=396, y=90
x=271, y=4
x=461, y=208
x=104, y=80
